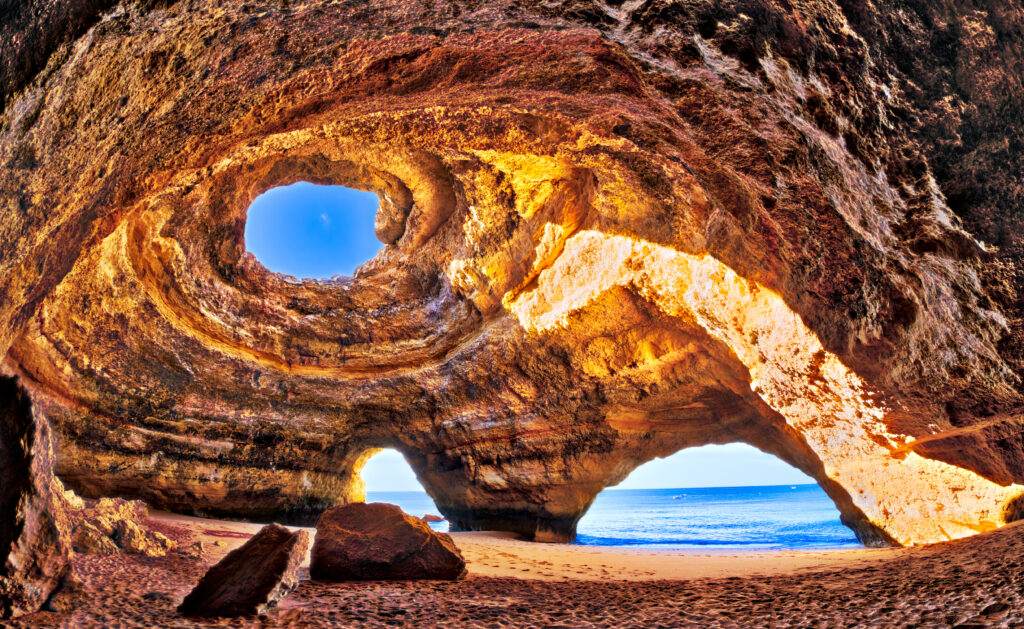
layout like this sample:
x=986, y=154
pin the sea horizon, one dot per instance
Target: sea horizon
x=751, y=517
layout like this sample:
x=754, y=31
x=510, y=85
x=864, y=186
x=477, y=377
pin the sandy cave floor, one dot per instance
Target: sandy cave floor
x=975, y=582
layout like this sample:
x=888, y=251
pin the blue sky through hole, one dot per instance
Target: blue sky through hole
x=312, y=231
x=732, y=465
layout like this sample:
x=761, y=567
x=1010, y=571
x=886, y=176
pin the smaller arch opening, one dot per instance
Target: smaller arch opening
x=389, y=478
x=716, y=496
x=312, y=231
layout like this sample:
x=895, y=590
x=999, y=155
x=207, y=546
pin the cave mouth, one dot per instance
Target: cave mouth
x=729, y=497
x=312, y=231
x=389, y=478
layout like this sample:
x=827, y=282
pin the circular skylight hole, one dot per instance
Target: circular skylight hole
x=311, y=231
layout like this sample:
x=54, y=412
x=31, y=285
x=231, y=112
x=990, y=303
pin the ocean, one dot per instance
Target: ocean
x=784, y=517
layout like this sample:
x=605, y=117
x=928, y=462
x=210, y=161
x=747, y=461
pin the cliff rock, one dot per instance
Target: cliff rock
x=613, y=230
x=35, y=553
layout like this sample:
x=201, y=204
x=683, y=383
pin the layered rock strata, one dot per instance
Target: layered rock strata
x=614, y=230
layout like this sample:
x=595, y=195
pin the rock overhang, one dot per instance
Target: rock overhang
x=604, y=243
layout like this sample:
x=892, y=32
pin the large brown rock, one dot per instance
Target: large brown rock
x=614, y=230
x=378, y=541
x=252, y=578
x=35, y=553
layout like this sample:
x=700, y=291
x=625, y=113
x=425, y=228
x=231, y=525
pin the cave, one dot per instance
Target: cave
x=610, y=231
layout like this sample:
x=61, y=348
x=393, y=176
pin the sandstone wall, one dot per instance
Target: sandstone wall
x=614, y=230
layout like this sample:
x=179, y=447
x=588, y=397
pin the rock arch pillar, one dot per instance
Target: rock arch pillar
x=512, y=496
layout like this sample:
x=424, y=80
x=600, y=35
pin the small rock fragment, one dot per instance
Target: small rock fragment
x=378, y=541
x=134, y=539
x=107, y=513
x=252, y=578
x=86, y=538
x=193, y=551
x=430, y=517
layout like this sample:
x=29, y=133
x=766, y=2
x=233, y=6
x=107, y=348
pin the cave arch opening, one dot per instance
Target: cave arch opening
x=388, y=477
x=313, y=231
x=716, y=496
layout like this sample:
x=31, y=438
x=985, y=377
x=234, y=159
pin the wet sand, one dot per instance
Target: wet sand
x=976, y=582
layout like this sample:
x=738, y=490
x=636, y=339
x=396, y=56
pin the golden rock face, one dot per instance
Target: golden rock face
x=612, y=233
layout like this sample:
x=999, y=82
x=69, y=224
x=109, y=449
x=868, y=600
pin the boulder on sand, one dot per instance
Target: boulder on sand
x=86, y=538
x=252, y=578
x=107, y=514
x=110, y=525
x=134, y=539
x=378, y=541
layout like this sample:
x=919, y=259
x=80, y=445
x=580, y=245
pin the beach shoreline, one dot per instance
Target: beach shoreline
x=500, y=554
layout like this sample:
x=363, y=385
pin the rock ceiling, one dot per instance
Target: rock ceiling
x=614, y=230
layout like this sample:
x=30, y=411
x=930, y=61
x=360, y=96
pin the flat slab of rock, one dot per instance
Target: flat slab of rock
x=378, y=541
x=252, y=578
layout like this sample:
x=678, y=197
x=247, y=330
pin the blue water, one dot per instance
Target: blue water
x=782, y=517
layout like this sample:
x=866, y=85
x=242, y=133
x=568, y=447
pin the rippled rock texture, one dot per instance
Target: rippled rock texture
x=614, y=230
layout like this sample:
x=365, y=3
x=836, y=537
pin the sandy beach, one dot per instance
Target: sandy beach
x=494, y=554
x=973, y=582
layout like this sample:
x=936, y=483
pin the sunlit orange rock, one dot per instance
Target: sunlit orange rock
x=614, y=230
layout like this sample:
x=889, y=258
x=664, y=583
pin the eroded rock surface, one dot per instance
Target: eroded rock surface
x=35, y=554
x=379, y=542
x=111, y=525
x=614, y=230
x=86, y=538
x=251, y=578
